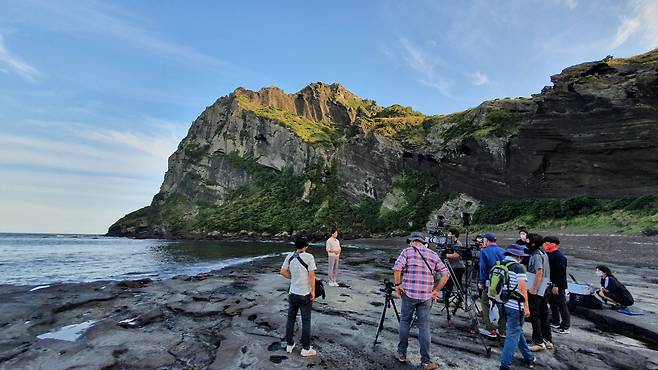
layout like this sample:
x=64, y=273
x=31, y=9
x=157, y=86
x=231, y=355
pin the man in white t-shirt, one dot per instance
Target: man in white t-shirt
x=333, y=254
x=299, y=267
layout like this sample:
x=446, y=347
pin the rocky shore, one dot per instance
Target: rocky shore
x=235, y=318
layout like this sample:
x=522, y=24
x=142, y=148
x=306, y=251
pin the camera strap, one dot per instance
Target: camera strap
x=299, y=258
x=424, y=260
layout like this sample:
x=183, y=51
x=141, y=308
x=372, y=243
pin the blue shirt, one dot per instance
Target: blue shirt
x=488, y=257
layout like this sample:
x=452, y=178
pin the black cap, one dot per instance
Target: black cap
x=301, y=241
x=551, y=239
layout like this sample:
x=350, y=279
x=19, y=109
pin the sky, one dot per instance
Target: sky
x=95, y=95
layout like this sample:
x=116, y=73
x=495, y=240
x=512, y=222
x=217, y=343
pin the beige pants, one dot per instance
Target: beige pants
x=333, y=267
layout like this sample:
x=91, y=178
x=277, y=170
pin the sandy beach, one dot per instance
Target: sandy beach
x=235, y=318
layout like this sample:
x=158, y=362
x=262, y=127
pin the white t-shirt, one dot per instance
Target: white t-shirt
x=299, y=283
x=333, y=247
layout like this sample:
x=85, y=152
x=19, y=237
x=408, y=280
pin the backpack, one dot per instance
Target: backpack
x=499, y=278
x=319, y=286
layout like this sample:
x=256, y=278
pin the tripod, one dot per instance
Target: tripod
x=388, y=301
x=461, y=296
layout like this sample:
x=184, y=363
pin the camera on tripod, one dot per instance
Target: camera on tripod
x=389, y=286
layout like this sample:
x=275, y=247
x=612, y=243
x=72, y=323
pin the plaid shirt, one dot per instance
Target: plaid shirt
x=417, y=280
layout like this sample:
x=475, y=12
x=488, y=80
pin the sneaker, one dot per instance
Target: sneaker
x=489, y=333
x=531, y=364
x=555, y=326
x=333, y=283
x=502, y=335
x=400, y=357
x=429, y=366
x=308, y=352
x=563, y=330
x=548, y=344
x=537, y=347
x=290, y=347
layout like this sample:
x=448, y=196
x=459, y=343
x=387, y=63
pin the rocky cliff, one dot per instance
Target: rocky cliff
x=270, y=162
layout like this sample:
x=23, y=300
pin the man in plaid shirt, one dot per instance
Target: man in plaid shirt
x=414, y=275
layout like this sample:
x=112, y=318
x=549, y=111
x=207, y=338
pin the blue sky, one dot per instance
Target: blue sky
x=95, y=95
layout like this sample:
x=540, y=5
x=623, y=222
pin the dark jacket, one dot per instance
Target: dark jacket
x=558, y=263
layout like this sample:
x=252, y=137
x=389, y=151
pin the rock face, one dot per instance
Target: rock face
x=575, y=138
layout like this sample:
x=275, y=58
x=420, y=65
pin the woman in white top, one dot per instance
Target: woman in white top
x=333, y=252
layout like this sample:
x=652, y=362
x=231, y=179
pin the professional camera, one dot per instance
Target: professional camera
x=389, y=287
x=440, y=239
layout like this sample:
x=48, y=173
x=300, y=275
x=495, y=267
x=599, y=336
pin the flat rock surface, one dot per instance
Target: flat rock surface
x=235, y=319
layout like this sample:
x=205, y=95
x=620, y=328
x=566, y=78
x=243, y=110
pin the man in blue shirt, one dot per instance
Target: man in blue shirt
x=489, y=255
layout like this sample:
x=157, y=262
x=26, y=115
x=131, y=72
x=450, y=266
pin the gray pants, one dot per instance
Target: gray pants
x=333, y=267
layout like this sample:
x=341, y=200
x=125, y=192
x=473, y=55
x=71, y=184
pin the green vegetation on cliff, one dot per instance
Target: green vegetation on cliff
x=276, y=202
x=648, y=57
x=632, y=215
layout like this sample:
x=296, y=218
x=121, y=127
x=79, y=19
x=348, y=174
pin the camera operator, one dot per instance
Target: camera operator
x=456, y=262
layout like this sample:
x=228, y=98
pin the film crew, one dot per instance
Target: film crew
x=333, y=255
x=299, y=267
x=456, y=262
x=612, y=291
x=516, y=308
x=489, y=255
x=560, y=318
x=542, y=339
x=417, y=288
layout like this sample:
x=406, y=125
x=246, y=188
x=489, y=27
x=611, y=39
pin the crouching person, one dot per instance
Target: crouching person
x=299, y=267
x=516, y=308
x=417, y=289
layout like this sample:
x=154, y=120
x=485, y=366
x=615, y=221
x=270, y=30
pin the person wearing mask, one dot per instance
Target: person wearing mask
x=539, y=268
x=612, y=290
x=489, y=255
x=299, y=267
x=417, y=288
x=560, y=318
x=333, y=255
x=516, y=308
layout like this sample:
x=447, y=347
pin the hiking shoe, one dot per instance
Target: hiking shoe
x=290, y=347
x=489, y=333
x=308, y=352
x=548, y=344
x=400, y=357
x=429, y=366
x=563, y=330
x=537, y=347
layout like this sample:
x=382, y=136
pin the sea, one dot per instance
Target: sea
x=33, y=259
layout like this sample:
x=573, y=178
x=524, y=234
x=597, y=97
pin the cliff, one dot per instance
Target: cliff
x=272, y=162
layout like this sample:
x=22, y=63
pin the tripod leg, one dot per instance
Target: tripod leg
x=395, y=309
x=381, y=321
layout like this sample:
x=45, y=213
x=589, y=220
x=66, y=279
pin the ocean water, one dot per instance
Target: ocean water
x=29, y=259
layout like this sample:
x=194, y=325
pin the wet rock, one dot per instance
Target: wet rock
x=132, y=284
x=197, y=309
x=237, y=308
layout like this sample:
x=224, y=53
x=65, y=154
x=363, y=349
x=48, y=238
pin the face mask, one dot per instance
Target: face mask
x=599, y=273
x=550, y=247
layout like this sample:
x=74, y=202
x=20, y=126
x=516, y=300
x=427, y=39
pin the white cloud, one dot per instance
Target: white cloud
x=101, y=18
x=639, y=24
x=85, y=149
x=425, y=65
x=15, y=64
x=478, y=78
x=72, y=177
